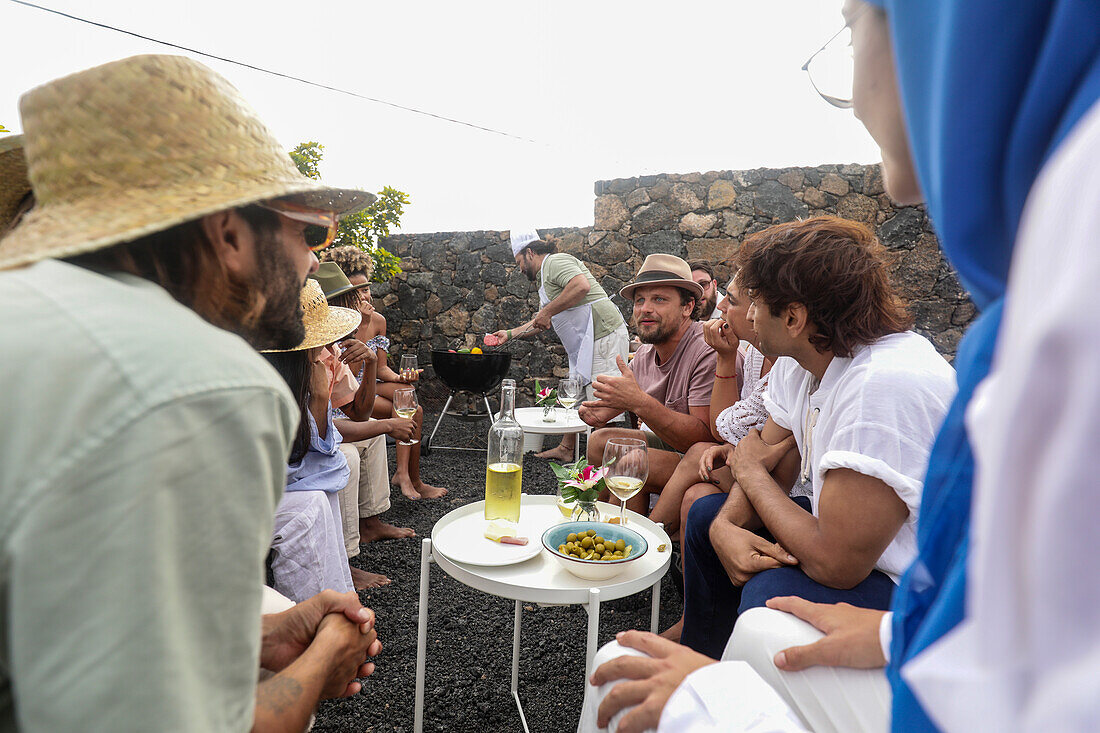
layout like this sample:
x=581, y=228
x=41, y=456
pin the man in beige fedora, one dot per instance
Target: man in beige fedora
x=668, y=384
x=170, y=237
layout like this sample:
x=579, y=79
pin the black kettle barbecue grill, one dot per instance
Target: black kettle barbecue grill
x=479, y=374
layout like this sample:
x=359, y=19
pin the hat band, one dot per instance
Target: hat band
x=653, y=275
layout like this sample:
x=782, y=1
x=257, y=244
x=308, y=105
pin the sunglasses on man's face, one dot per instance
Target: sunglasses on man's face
x=321, y=226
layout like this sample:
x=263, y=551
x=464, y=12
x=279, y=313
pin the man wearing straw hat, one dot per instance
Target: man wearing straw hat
x=168, y=224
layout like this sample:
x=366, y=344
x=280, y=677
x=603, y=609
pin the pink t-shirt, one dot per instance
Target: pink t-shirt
x=686, y=379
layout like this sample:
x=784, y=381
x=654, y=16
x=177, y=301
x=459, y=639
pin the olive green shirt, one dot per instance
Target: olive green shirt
x=559, y=268
x=144, y=452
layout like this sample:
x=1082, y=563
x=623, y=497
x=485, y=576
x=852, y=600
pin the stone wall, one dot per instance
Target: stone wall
x=459, y=285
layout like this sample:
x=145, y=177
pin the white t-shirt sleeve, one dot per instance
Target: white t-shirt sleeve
x=887, y=435
x=727, y=696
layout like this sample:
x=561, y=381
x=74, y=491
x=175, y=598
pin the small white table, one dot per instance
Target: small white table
x=569, y=421
x=542, y=580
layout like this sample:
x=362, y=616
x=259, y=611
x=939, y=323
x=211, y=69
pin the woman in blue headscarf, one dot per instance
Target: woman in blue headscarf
x=988, y=111
x=992, y=625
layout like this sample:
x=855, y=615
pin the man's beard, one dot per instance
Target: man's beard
x=708, y=306
x=663, y=332
x=279, y=322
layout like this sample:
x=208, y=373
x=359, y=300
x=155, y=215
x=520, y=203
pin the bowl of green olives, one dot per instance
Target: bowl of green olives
x=593, y=550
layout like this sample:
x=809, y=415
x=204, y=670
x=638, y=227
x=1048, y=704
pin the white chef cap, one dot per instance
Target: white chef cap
x=521, y=238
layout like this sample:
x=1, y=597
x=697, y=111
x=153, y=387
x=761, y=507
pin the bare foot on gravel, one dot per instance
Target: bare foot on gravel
x=373, y=528
x=672, y=633
x=557, y=454
x=427, y=491
x=407, y=489
x=362, y=580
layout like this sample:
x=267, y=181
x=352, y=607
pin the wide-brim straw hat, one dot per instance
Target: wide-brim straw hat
x=664, y=270
x=140, y=145
x=333, y=281
x=324, y=323
x=14, y=184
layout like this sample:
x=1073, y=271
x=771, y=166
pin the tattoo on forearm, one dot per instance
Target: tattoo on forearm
x=280, y=694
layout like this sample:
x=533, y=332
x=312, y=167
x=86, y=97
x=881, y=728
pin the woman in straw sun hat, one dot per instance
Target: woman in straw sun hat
x=168, y=223
x=308, y=539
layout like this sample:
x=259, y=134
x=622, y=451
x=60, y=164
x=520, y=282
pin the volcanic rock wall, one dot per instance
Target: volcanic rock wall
x=459, y=285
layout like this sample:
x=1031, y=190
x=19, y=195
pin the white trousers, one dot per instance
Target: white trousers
x=309, y=546
x=824, y=699
x=368, y=491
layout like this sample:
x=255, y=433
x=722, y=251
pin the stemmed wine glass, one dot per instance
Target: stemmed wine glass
x=626, y=461
x=404, y=405
x=569, y=392
x=408, y=367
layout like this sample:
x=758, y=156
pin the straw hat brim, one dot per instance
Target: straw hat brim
x=67, y=228
x=14, y=184
x=336, y=324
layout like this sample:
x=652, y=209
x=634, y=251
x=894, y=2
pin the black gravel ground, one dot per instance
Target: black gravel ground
x=469, y=632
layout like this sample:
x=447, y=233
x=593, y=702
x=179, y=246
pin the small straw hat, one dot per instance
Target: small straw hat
x=324, y=323
x=140, y=145
x=664, y=270
x=14, y=184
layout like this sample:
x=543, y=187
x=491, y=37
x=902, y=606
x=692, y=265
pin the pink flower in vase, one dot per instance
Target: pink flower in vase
x=587, y=478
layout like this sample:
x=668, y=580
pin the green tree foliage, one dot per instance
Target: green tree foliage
x=364, y=228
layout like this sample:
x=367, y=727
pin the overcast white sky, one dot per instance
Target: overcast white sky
x=607, y=89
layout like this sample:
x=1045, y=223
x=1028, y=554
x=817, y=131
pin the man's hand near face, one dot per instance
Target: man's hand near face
x=621, y=393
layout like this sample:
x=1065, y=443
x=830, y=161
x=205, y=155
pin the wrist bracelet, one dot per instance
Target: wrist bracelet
x=509, y=334
x=725, y=376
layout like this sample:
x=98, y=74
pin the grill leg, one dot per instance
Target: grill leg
x=488, y=409
x=441, y=414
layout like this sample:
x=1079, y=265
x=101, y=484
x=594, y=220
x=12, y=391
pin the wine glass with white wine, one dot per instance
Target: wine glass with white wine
x=626, y=461
x=404, y=405
x=408, y=367
x=569, y=391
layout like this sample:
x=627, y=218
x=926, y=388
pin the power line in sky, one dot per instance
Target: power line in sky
x=277, y=73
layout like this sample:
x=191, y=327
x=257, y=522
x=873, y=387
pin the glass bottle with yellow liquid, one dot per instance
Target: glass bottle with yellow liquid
x=504, y=461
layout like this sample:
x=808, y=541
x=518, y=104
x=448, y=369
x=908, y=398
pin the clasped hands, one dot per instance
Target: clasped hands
x=341, y=627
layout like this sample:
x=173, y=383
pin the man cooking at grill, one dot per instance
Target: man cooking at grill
x=571, y=302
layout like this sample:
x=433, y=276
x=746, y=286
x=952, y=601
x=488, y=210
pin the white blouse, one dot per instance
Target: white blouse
x=735, y=422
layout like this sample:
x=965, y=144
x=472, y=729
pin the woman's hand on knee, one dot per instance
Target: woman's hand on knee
x=851, y=635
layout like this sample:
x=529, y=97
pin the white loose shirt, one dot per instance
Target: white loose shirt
x=876, y=413
x=1026, y=657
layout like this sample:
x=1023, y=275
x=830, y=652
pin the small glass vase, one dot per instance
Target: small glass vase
x=548, y=413
x=585, y=511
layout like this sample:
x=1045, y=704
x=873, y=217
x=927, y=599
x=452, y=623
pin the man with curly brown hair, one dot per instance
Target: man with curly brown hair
x=854, y=401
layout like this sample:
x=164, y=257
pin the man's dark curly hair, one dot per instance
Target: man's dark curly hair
x=352, y=260
x=832, y=266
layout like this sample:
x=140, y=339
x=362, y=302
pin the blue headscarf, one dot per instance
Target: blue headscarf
x=990, y=88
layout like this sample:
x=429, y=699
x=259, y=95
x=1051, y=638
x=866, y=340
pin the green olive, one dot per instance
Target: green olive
x=599, y=546
x=597, y=539
x=587, y=542
x=620, y=544
x=572, y=537
x=590, y=532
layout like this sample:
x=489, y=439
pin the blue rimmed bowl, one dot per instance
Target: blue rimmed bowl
x=593, y=569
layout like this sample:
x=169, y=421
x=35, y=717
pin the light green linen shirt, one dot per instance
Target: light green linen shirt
x=561, y=267
x=142, y=456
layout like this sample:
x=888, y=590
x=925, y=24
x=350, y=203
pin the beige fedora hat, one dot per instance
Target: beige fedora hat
x=140, y=145
x=324, y=323
x=664, y=270
x=14, y=184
